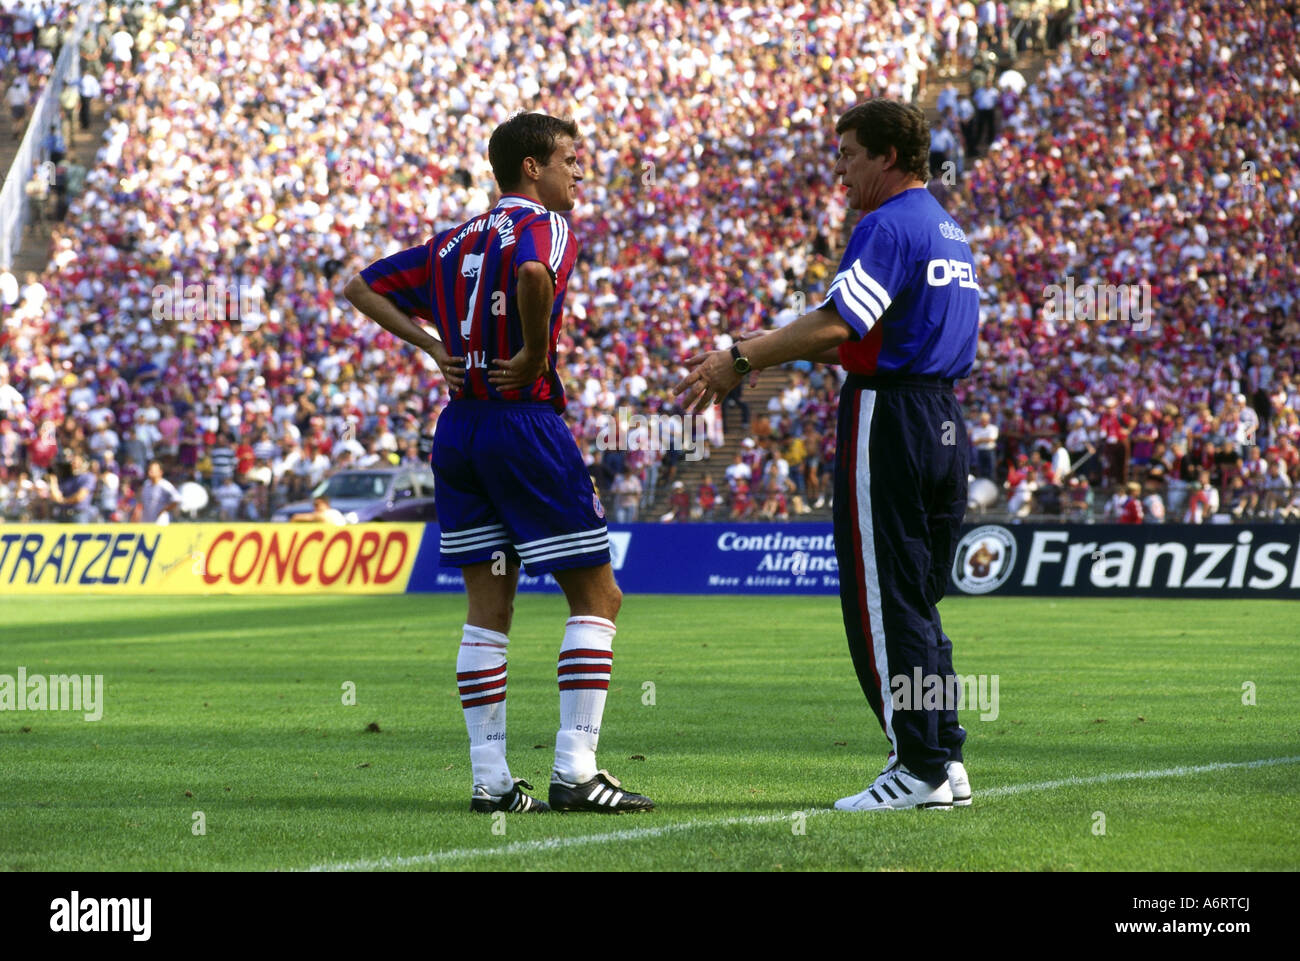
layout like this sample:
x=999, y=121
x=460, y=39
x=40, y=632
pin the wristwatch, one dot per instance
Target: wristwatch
x=739, y=363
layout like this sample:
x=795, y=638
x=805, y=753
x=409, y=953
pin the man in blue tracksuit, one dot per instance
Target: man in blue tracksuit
x=902, y=317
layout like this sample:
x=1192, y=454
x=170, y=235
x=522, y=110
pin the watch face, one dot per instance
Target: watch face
x=739, y=363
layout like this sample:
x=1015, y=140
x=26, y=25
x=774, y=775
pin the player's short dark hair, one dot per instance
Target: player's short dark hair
x=525, y=135
x=881, y=124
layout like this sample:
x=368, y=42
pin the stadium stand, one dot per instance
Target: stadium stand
x=257, y=154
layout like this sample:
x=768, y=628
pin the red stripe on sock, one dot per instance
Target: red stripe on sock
x=471, y=675
x=490, y=699
x=475, y=688
x=582, y=669
x=585, y=652
x=590, y=685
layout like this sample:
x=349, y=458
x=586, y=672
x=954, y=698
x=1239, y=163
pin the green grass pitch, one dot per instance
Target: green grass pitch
x=233, y=707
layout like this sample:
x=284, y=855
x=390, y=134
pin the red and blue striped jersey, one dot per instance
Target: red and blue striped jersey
x=463, y=281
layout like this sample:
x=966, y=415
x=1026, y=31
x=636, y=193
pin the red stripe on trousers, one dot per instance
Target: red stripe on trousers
x=859, y=569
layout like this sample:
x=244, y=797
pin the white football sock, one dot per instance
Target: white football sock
x=481, y=676
x=584, y=665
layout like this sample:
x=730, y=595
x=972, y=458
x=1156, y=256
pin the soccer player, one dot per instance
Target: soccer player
x=901, y=316
x=511, y=485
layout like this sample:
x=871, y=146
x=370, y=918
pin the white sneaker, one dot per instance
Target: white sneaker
x=959, y=782
x=895, y=790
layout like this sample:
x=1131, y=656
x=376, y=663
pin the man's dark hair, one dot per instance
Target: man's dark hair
x=525, y=135
x=881, y=124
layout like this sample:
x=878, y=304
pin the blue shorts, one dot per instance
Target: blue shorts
x=509, y=478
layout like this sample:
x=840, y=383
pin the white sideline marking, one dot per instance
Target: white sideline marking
x=550, y=844
x=1132, y=776
x=638, y=834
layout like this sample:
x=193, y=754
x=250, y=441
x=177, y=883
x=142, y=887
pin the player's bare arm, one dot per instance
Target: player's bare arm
x=714, y=375
x=536, y=292
x=388, y=316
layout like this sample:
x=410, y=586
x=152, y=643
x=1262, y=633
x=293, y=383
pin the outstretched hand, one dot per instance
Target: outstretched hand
x=712, y=378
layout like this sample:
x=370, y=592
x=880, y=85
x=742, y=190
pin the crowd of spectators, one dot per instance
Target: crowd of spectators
x=276, y=149
x=259, y=154
x=1159, y=150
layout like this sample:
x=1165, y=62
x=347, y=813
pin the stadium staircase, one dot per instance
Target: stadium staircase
x=691, y=472
x=34, y=255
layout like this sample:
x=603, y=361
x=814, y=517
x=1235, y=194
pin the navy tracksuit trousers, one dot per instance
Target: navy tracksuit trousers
x=901, y=464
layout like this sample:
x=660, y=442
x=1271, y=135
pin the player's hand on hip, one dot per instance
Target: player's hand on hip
x=520, y=371
x=712, y=378
x=453, y=368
